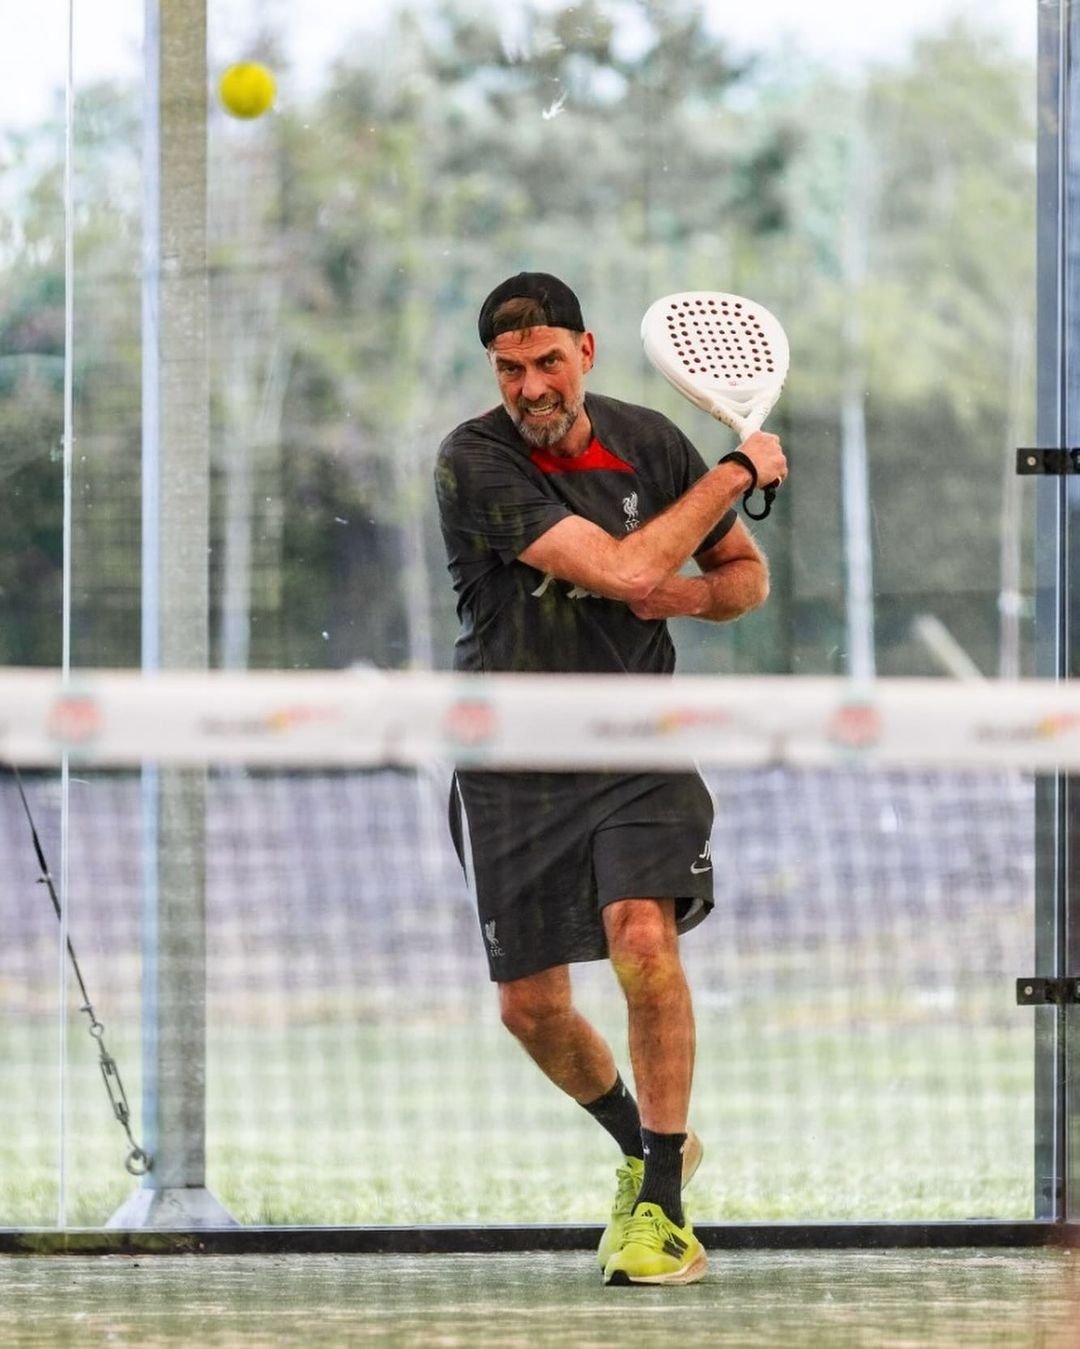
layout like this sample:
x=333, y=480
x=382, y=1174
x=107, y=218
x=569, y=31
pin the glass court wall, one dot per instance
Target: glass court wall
x=861, y=1053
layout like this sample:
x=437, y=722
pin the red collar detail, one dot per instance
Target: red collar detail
x=595, y=457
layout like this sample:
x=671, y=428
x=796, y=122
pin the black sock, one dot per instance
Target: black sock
x=617, y=1111
x=663, y=1173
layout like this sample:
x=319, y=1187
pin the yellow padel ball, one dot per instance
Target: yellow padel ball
x=247, y=90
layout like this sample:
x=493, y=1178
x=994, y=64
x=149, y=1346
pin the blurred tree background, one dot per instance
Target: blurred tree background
x=887, y=217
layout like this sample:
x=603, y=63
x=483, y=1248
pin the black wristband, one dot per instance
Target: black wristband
x=744, y=460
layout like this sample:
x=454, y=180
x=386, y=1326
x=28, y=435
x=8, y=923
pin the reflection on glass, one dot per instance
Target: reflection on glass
x=883, y=208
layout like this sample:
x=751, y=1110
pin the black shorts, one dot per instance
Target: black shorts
x=545, y=852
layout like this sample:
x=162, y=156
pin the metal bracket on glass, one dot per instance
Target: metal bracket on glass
x=1058, y=463
x=1039, y=992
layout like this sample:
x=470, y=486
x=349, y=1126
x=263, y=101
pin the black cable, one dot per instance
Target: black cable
x=138, y=1161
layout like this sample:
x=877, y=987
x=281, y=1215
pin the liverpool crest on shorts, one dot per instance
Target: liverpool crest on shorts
x=494, y=949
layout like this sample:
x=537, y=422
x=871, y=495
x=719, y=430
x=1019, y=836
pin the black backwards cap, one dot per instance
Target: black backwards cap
x=558, y=302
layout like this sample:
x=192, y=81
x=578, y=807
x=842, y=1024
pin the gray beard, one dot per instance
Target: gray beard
x=551, y=432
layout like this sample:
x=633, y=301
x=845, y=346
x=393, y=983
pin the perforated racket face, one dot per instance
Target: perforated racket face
x=726, y=353
x=722, y=337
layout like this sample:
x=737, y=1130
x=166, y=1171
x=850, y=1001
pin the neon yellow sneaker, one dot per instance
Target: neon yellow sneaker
x=628, y=1186
x=656, y=1250
x=628, y=1178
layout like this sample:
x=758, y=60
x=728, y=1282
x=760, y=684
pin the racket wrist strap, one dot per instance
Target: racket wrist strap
x=744, y=461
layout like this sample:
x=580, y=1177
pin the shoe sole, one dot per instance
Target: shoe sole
x=690, y=1273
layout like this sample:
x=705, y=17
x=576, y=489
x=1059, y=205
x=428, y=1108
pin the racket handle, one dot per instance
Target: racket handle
x=748, y=425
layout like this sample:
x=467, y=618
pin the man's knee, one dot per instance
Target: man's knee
x=641, y=928
x=643, y=940
x=528, y=1005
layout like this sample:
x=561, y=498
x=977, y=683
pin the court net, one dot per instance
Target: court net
x=258, y=879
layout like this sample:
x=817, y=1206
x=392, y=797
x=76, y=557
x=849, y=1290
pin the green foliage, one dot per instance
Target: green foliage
x=888, y=219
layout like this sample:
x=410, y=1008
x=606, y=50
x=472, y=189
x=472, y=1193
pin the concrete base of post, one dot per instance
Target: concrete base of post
x=178, y=1207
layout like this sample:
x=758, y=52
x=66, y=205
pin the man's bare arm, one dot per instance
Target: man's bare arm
x=631, y=568
x=734, y=580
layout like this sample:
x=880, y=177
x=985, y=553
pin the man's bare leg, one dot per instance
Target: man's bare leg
x=538, y=1010
x=644, y=947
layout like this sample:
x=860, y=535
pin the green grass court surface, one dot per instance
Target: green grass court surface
x=902, y=1300
x=885, y=1120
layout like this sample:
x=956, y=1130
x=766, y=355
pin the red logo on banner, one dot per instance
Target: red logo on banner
x=855, y=726
x=75, y=719
x=471, y=721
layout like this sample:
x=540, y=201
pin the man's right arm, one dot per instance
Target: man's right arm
x=629, y=569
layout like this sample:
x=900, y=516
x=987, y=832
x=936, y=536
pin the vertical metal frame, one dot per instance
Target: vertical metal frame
x=1068, y=509
x=175, y=609
x=1057, y=564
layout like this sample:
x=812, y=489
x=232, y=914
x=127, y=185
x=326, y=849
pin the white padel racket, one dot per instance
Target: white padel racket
x=728, y=355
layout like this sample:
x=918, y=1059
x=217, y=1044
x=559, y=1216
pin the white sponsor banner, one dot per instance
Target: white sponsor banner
x=540, y=721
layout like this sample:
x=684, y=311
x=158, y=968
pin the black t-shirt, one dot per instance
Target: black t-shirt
x=497, y=495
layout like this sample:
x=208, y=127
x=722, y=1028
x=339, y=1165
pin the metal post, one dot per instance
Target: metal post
x=854, y=471
x=175, y=616
x=1058, y=423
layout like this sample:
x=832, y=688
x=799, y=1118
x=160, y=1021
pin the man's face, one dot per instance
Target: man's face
x=541, y=374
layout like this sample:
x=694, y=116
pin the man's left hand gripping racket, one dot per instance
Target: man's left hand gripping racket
x=726, y=354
